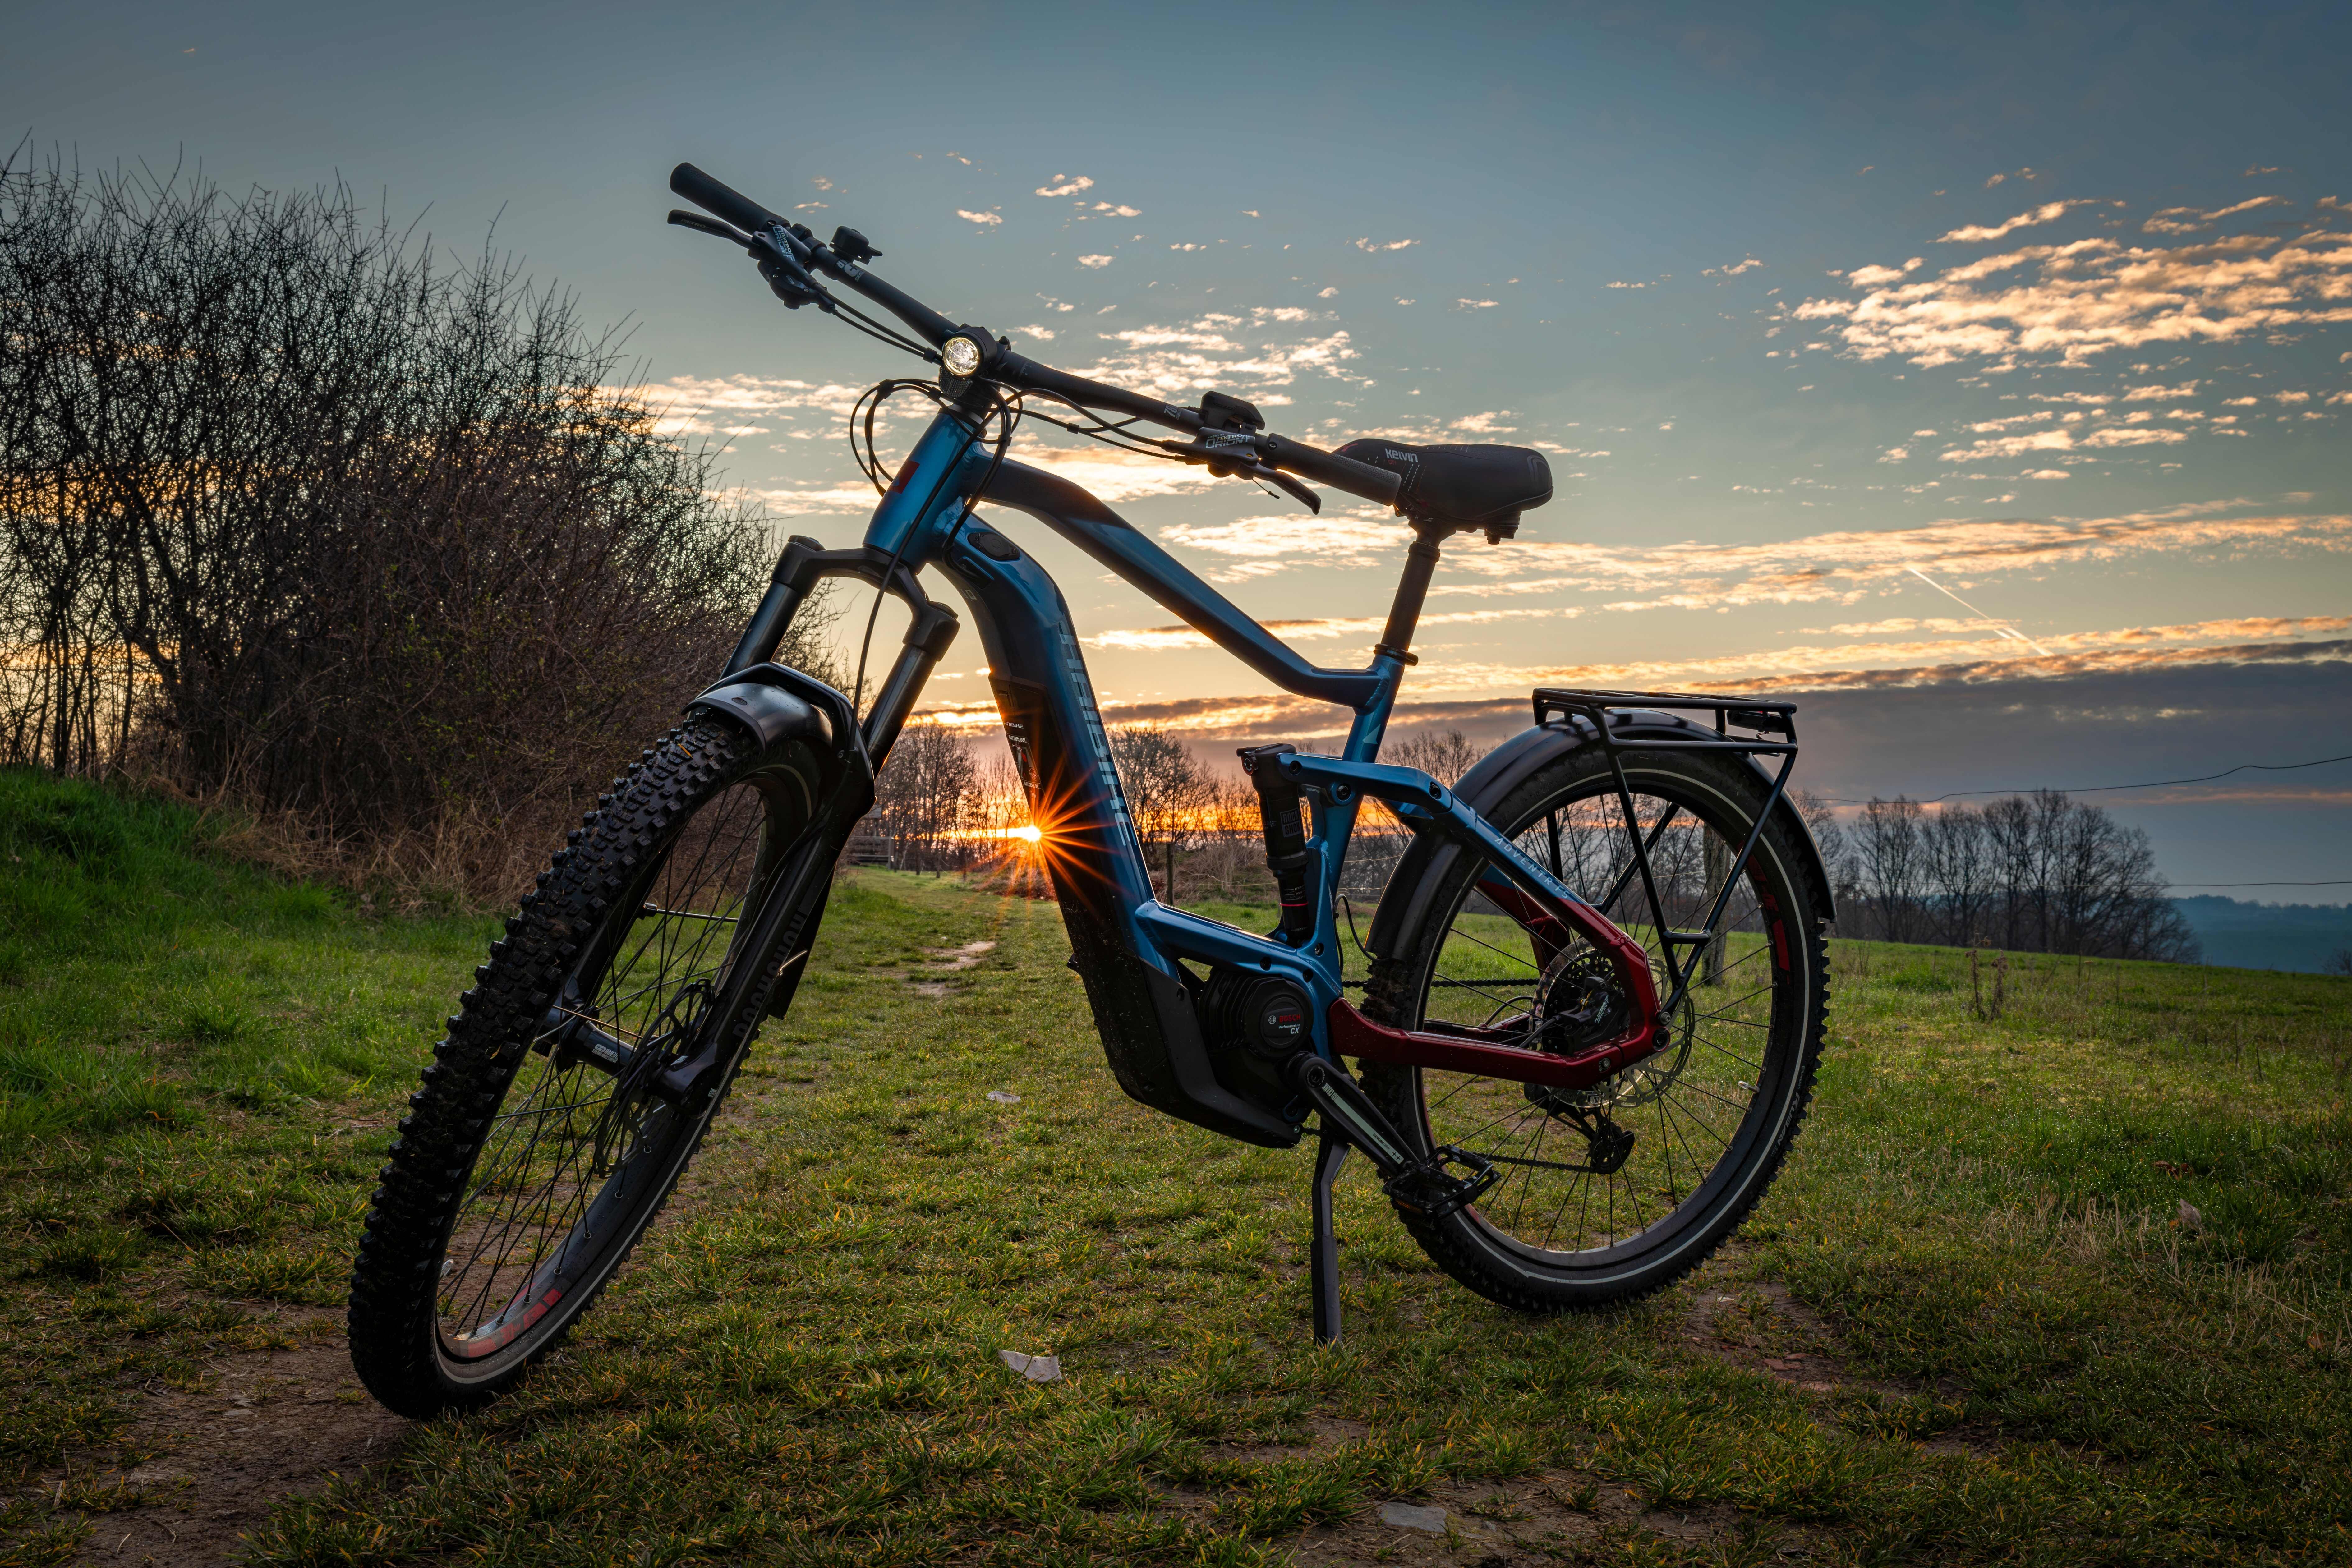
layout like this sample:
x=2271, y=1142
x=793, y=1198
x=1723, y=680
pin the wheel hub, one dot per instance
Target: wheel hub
x=1579, y=1005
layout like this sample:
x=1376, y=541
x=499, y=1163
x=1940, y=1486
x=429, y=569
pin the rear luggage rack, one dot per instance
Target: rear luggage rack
x=1766, y=719
x=1743, y=712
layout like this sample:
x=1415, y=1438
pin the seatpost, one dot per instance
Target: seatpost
x=1420, y=564
x=1286, y=854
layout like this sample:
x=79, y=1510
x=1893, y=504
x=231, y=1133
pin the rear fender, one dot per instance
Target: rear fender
x=1429, y=858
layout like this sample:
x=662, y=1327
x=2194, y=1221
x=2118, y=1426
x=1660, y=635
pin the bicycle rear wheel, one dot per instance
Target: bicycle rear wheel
x=1616, y=1190
x=545, y=1138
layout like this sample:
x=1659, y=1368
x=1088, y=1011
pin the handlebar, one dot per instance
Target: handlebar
x=723, y=201
x=1273, y=452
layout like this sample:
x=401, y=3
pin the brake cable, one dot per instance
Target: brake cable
x=1007, y=413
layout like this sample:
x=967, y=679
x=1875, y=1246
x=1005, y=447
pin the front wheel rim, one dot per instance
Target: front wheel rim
x=563, y=1180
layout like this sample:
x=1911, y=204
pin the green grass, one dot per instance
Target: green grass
x=1982, y=1223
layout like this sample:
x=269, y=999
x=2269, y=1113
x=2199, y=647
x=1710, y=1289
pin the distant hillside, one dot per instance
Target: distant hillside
x=2245, y=935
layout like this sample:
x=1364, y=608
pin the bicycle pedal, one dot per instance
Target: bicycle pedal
x=1429, y=1189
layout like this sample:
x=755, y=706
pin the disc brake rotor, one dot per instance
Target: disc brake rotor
x=1578, y=1003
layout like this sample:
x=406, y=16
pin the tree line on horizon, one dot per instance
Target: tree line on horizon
x=2030, y=873
x=2038, y=873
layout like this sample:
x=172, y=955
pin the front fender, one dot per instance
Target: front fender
x=1426, y=861
x=778, y=703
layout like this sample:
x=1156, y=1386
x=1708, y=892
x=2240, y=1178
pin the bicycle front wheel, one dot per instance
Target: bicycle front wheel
x=1613, y=1190
x=552, y=1128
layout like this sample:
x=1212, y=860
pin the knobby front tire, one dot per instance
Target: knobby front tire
x=535, y=1155
x=1697, y=1132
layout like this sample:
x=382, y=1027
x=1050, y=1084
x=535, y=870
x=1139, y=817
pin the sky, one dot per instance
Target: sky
x=1976, y=376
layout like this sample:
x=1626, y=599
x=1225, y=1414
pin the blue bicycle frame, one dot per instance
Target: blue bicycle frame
x=1127, y=943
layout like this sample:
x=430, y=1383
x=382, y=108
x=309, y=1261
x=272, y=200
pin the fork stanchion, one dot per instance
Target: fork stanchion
x=1324, y=1255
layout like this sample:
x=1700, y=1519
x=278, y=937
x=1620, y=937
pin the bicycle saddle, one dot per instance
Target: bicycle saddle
x=1461, y=487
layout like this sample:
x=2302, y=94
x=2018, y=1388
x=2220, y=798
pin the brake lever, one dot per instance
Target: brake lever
x=786, y=272
x=1231, y=456
x=710, y=225
x=1307, y=498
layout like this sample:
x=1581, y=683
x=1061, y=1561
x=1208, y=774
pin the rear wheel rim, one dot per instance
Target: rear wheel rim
x=1697, y=1110
x=578, y=1152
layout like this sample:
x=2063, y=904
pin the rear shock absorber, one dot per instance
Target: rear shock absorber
x=1286, y=854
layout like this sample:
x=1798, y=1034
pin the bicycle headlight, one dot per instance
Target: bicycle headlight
x=960, y=357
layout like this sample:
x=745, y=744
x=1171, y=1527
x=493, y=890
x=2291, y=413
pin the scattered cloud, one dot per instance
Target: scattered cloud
x=1157, y=639
x=2188, y=220
x=985, y=219
x=1256, y=546
x=1221, y=348
x=1065, y=185
x=1871, y=277
x=1474, y=304
x=1841, y=566
x=727, y=405
x=2026, y=173
x=1734, y=270
x=2069, y=303
x=2049, y=212
x=2062, y=439
x=1095, y=261
x=1778, y=670
x=1377, y=244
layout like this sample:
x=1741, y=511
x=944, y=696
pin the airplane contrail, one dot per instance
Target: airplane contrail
x=2003, y=627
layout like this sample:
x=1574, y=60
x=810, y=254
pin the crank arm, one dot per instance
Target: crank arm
x=1349, y=1113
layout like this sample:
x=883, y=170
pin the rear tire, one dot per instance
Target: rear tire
x=528, y=1166
x=1705, y=1121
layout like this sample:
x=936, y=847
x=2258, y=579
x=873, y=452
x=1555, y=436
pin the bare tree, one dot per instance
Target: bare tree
x=1443, y=754
x=1958, y=870
x=1895, y=864
x=1821, y=819
x=1230, y=842
x=927, y=798
x=1166, y=789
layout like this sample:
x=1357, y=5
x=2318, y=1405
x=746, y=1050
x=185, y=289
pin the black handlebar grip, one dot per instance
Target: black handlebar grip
x=713, y=197
x=1330, y=468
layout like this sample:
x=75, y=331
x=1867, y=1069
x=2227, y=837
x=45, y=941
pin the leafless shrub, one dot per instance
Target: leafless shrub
x=306, y=520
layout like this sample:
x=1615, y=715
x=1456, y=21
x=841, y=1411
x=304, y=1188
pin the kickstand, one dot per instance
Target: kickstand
x=1325, y=1262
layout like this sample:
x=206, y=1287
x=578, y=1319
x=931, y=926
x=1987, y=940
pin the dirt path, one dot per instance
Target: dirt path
x=213, y=1464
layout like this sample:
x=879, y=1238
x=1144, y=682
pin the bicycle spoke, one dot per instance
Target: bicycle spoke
x=1610, y=840
x=565, y=1136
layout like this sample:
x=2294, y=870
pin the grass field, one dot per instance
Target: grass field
x=2072, y=1285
